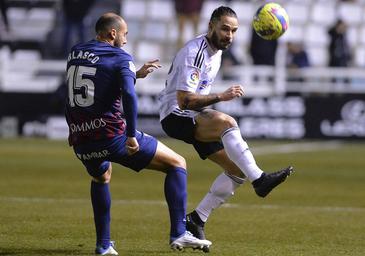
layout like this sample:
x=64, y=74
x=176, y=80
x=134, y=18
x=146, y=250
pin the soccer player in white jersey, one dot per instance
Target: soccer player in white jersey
x=214, y=135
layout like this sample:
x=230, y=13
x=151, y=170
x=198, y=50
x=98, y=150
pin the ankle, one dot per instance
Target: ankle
x=195, y=216
x=258, y=181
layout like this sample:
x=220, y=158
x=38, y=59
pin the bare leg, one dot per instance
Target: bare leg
x=165, y=159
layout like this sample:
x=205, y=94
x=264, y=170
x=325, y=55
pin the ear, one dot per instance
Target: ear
x=113, y=33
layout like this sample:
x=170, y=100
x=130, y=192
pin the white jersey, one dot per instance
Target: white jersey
x=194, y=69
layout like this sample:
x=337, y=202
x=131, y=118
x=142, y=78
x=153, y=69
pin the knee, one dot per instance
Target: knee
x=179, y=161
x=106, y=177
x=227, y=122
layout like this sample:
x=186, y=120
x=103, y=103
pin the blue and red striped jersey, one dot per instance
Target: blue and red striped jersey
x=94, y=78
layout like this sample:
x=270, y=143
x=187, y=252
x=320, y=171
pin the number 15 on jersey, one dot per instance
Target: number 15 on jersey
x=80, y=89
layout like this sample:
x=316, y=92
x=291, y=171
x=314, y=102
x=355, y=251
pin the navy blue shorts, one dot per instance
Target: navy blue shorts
x=182, y=128
x=97, y=155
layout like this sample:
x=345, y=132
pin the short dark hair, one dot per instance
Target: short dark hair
x=222, y=11
x=107, y=22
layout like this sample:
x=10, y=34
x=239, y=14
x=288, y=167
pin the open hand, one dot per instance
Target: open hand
x=147, y=68
x=232, y=92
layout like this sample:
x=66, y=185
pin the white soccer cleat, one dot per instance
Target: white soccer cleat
x=187, y=240
x=106, y=251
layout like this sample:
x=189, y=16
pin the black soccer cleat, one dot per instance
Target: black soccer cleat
x=196, y=229
x=268, y=181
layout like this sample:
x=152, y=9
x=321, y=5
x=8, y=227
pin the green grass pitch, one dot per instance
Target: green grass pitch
x=45, y=207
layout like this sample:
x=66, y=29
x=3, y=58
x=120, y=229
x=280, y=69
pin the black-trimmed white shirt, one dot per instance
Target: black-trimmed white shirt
x=193, y=69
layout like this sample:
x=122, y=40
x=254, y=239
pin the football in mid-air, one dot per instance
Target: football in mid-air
x=270, y=21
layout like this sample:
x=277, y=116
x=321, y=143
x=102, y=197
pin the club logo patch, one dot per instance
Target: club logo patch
x=194, y=77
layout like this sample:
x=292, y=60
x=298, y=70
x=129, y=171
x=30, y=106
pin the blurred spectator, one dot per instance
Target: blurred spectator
x=297, y=57
x=75, y=12
x=3, y=8
x=187, y=11
x=339, y=51
x=262, y=51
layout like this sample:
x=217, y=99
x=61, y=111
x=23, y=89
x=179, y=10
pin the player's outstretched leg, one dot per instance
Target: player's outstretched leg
x=110, y=250
x=239, y=152
x=187, y=240
x=268, y=181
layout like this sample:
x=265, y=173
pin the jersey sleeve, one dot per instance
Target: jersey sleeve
x=129, y=101
x=127, y=78
x=189, y=70
x=125, y=66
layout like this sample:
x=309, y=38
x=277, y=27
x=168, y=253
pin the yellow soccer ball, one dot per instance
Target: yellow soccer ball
x=270, y=21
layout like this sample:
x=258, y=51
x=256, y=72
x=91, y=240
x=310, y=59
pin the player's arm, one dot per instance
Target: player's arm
x=194, y=101
x=129, y=101
x=148, y=68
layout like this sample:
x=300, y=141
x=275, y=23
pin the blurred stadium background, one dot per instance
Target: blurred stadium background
x=313, y=118
x=288, y=103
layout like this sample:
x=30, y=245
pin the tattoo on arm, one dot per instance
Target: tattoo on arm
x=185, y=103
x=195, y=101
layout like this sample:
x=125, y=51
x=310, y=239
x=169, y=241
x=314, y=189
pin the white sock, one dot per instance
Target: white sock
x=221, y=190
x=238, y=151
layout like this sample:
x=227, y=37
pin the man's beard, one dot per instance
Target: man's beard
x=218, y=44
x=118, y=42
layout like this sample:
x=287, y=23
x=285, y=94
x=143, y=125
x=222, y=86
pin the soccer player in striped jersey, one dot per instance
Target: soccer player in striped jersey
x=101, y=78
x=214, y=135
